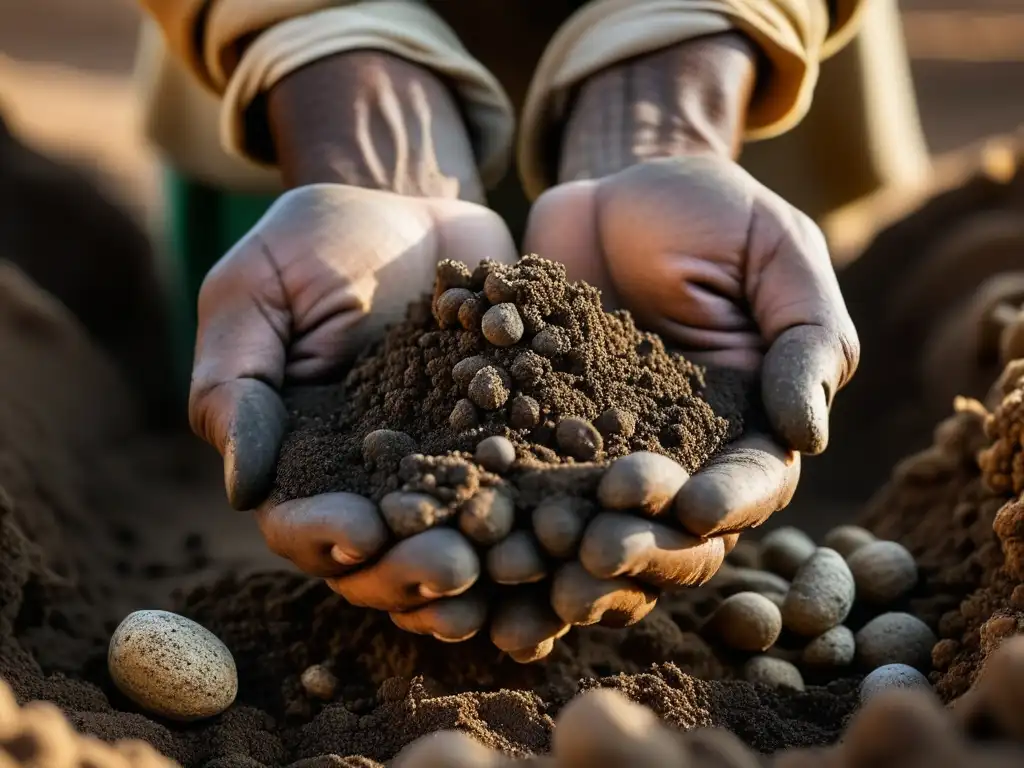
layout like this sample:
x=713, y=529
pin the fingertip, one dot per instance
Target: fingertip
x=256, y=429
x=524, y=623
x=449, y=620
x=580, y=599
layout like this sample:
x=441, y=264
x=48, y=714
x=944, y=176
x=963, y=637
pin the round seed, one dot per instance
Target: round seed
x=502, y=325
x=495, y=454
x=488, y=389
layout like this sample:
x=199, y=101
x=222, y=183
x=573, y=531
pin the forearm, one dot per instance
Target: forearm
x=370, y=119
x=691, y=98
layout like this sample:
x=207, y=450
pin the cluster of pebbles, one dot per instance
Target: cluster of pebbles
x=827, y=611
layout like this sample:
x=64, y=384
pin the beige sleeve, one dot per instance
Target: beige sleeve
x=794, y=36
x=241, y=48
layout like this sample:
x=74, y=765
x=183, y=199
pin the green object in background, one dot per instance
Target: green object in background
x=203, y=223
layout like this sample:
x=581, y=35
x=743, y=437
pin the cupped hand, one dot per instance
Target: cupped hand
x=320, y=276
x=732, y=275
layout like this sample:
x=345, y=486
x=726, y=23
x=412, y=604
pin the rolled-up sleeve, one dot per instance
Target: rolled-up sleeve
x=240, y=49
x=794, y=36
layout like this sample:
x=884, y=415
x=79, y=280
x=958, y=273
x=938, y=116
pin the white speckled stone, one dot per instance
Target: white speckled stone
x=171, y=666
x=889, y=677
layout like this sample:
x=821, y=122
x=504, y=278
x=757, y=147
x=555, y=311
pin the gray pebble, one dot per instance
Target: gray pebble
x=488, y=389
x=830, y=650
x=820, y=596
x=495, y=454
x=776, y=673
x=889, y=677
x=616, y=422
x=487, y=517
x=558, y=523
x=884, y=571
x=516, y=560
x=847, y=539
x=463, y=416
x=319, y=682
x=731, y=579
x=523, y=412
x=497, y=289
x=502, y=325
x=578, y=438
x=383, y=447
x=747, y=621
x=895, y=638
x=643, y=481
x=408, y=513
x=784, y=550
x=528, y=368
x=171, y=666
x=471, y=313
x=464, y=370
x=551, y=342
x=448, y=304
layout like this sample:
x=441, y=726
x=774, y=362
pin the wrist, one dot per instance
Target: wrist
x=372, y=120
x=688, y=99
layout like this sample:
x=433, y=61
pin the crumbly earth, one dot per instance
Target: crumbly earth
x=574, y=360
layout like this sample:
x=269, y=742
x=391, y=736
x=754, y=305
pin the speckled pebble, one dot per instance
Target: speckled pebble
x=523, y=412
x=471, y=313
x=889, y=677
x=831, y=650
x=884, y=571
x=497, y=289
x=502, y=326
x=319, y=682
x=171, y=666
x=528, y=368
x=785, y=549
x=448, y=304
x=820, y=596
x=847, y=539
x=550, y=342
x=464, y=370
x=463, y=416
x=495, y=454
x=489, y=388
x=643, y=481
x=616, y=422
x=408, y=513
x=578, y=438
x=487, y=517
x=747, y=621
x=895, y=638
x=384, y=446
x=776, y=673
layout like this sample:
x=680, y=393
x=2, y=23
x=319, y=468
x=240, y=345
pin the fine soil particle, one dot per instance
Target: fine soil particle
x=574, y=361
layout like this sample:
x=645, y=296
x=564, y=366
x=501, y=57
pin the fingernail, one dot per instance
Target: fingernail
x=428, y=593
x=341, y=556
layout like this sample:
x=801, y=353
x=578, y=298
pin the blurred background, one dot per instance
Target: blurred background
x=65, y=80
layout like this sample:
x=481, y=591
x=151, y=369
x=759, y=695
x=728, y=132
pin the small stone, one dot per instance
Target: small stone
x=319, y=682
x=451, y=274
x=616, y=422
x=820, y=596
x=831, y=650
x=890, y=677
x=171, y=666
x=847, y=539
x=488, y=389
x=550, y=342
x=895, y=638
x=775, y=673
x=579, y=439
x=385, y=447
x=471, y=313
x=747, y=622
x=528, y=368
x=408, y=513
x=487, y=517
x=516, y=560
x=495, y=454
x=559, y=521
x=523, y=412
x=731, y=579
x=644, y=481
x=497, y=289
x=785, y=549
x=448, y=304
x=884, y=571
x=463, y=417
x=464, y=370
x=502, y=325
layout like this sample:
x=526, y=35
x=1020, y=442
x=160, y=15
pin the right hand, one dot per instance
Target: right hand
x=320, y=276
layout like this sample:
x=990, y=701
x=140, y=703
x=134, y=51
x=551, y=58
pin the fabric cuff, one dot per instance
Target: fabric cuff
x=789, y=33
x=406, y=29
